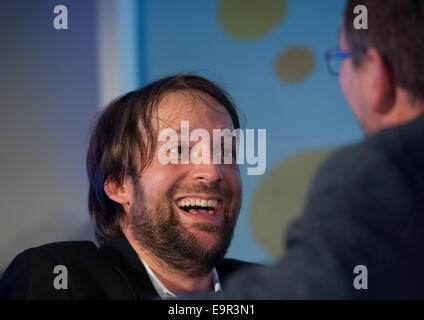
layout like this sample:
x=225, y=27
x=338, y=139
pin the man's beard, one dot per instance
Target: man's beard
x=156, y=227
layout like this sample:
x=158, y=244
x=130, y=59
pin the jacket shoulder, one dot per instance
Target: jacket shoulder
x=68, y=249
x=355, y=166
x=31, y=273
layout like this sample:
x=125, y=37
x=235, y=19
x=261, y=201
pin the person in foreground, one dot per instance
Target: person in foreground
x=164, y=228
x=361, y=235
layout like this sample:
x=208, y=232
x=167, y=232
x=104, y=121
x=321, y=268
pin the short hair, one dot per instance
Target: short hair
x=396, y=30
x=122, y=142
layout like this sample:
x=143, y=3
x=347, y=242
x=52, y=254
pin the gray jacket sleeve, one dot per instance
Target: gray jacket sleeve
x=359, y=212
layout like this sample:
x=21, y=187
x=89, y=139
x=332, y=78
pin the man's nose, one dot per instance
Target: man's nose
x=208, y=172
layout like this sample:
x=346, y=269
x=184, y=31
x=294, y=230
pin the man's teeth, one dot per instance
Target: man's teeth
x=198, y=203
x=193, y=202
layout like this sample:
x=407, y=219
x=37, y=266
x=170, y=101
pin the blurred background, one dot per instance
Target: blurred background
x=266, y=53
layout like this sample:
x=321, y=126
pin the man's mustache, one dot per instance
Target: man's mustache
x=213, y=189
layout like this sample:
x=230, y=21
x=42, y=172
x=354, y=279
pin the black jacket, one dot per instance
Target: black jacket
x=113, y=271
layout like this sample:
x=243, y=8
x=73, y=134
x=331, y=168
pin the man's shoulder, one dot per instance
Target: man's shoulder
x=31, y=273
x=67, y=245
x=398, y=145
x=58, y=252
x=66, y=248
x=397, y=150
x=55, y=253
x=380, y=176
x=350, y=164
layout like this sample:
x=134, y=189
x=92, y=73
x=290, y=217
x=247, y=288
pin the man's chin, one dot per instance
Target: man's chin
x=204, y=237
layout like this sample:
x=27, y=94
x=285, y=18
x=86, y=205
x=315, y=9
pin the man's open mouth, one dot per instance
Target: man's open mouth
x=198, y=205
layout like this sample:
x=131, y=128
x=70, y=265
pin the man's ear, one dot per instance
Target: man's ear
x=378, y=83
x=121, y=193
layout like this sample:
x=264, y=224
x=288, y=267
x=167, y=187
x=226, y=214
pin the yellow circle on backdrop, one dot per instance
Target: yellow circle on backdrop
x=280, y=198
x=250, y=19
x=294, y=63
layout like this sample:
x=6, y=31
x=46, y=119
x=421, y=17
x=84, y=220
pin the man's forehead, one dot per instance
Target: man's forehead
x=196, y=107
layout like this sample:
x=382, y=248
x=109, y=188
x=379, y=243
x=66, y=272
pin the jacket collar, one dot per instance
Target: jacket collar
x=131, y=269
x=129, y=266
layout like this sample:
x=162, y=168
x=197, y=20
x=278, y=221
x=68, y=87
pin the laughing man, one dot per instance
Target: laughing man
x=163, y=228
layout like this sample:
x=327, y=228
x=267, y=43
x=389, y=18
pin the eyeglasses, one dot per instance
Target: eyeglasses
x=334, y=59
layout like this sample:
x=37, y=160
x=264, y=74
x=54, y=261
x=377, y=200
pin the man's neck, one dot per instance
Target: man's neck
x=403, y=116
x=401, y=113
x=177, y=281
